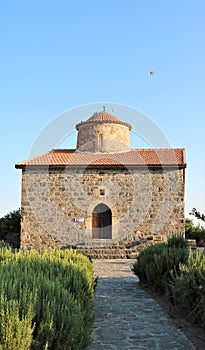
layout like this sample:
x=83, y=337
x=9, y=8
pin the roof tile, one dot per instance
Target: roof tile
x=103, y=117
x=135, y=157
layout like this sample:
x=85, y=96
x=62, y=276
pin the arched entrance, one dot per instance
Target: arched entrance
x=102, y=222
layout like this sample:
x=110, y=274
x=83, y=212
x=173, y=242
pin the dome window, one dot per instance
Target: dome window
x=100, y=140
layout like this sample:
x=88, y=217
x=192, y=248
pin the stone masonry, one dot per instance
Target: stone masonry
x=103, y=138
x=144, y=203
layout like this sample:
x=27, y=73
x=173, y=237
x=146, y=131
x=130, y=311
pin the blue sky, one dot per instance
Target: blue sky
x=58, y=55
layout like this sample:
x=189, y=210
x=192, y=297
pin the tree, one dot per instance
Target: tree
x=195, y=232
x=197, y=214
x=189, y=226
x=10, y=223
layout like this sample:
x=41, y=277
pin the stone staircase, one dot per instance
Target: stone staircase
x=115, y=251
x=122, y=250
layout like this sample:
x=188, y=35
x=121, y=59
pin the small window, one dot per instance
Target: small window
x=100, y=140
x=102, y=192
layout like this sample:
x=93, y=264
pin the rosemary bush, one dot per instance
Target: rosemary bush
x=154, y=263
x=46, y=300
x=187, y=289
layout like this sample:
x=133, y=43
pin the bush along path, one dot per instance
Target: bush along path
x=172, y=269
x=126, y=316
x=46, y=300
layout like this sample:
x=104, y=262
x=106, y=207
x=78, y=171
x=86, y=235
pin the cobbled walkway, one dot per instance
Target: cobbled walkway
x=126, y=317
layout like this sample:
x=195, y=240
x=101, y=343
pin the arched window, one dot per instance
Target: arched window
x=102, y=222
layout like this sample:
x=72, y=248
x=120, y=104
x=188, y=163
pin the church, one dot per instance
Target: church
x=103, y=193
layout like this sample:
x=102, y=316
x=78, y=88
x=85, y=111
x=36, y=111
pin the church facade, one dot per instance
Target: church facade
x=103, y=193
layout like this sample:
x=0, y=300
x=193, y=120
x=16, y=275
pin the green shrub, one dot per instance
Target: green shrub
x=59, y=319
x=177, y=241
x=187, y=290
x=60, y=285
x=2, y=244
x=16, y=330
x=154, y=263
x=145, y=260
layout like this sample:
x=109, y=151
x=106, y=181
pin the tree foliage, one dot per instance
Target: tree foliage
x=10, y=223
x=194, y=232
x=197, y=214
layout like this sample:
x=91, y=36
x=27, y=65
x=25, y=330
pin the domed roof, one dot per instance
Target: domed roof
x=103, y=117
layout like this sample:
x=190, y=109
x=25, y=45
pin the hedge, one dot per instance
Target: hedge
x=46, y=300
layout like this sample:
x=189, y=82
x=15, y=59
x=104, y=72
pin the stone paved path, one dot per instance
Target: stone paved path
x=126, y=317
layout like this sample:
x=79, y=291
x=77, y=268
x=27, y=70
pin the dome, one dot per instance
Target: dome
x=103, y=117
x=103, y=133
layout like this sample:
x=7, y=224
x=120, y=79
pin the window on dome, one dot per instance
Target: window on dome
x=100, y=140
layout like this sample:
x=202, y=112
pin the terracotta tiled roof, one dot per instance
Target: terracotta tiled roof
x=103, y=117
x=134, y=158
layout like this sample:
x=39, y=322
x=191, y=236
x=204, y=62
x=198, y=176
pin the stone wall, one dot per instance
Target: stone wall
x=57, y=205
x=105, y=137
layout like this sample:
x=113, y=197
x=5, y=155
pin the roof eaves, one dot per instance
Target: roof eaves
x=184, y=157
x=96, y=166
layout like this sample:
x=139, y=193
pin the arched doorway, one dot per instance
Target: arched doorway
x=102, y=222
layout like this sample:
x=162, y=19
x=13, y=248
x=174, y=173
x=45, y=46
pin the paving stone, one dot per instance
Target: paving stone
x=126, y=317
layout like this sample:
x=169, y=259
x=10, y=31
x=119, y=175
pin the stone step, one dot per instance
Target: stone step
x=122, y=250
x=110, y=253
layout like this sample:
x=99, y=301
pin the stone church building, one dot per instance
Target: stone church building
x=103, y=193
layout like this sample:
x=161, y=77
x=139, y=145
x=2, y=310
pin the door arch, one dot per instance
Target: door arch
x=102, y=222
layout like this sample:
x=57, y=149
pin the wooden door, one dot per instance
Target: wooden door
x=102, y=222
